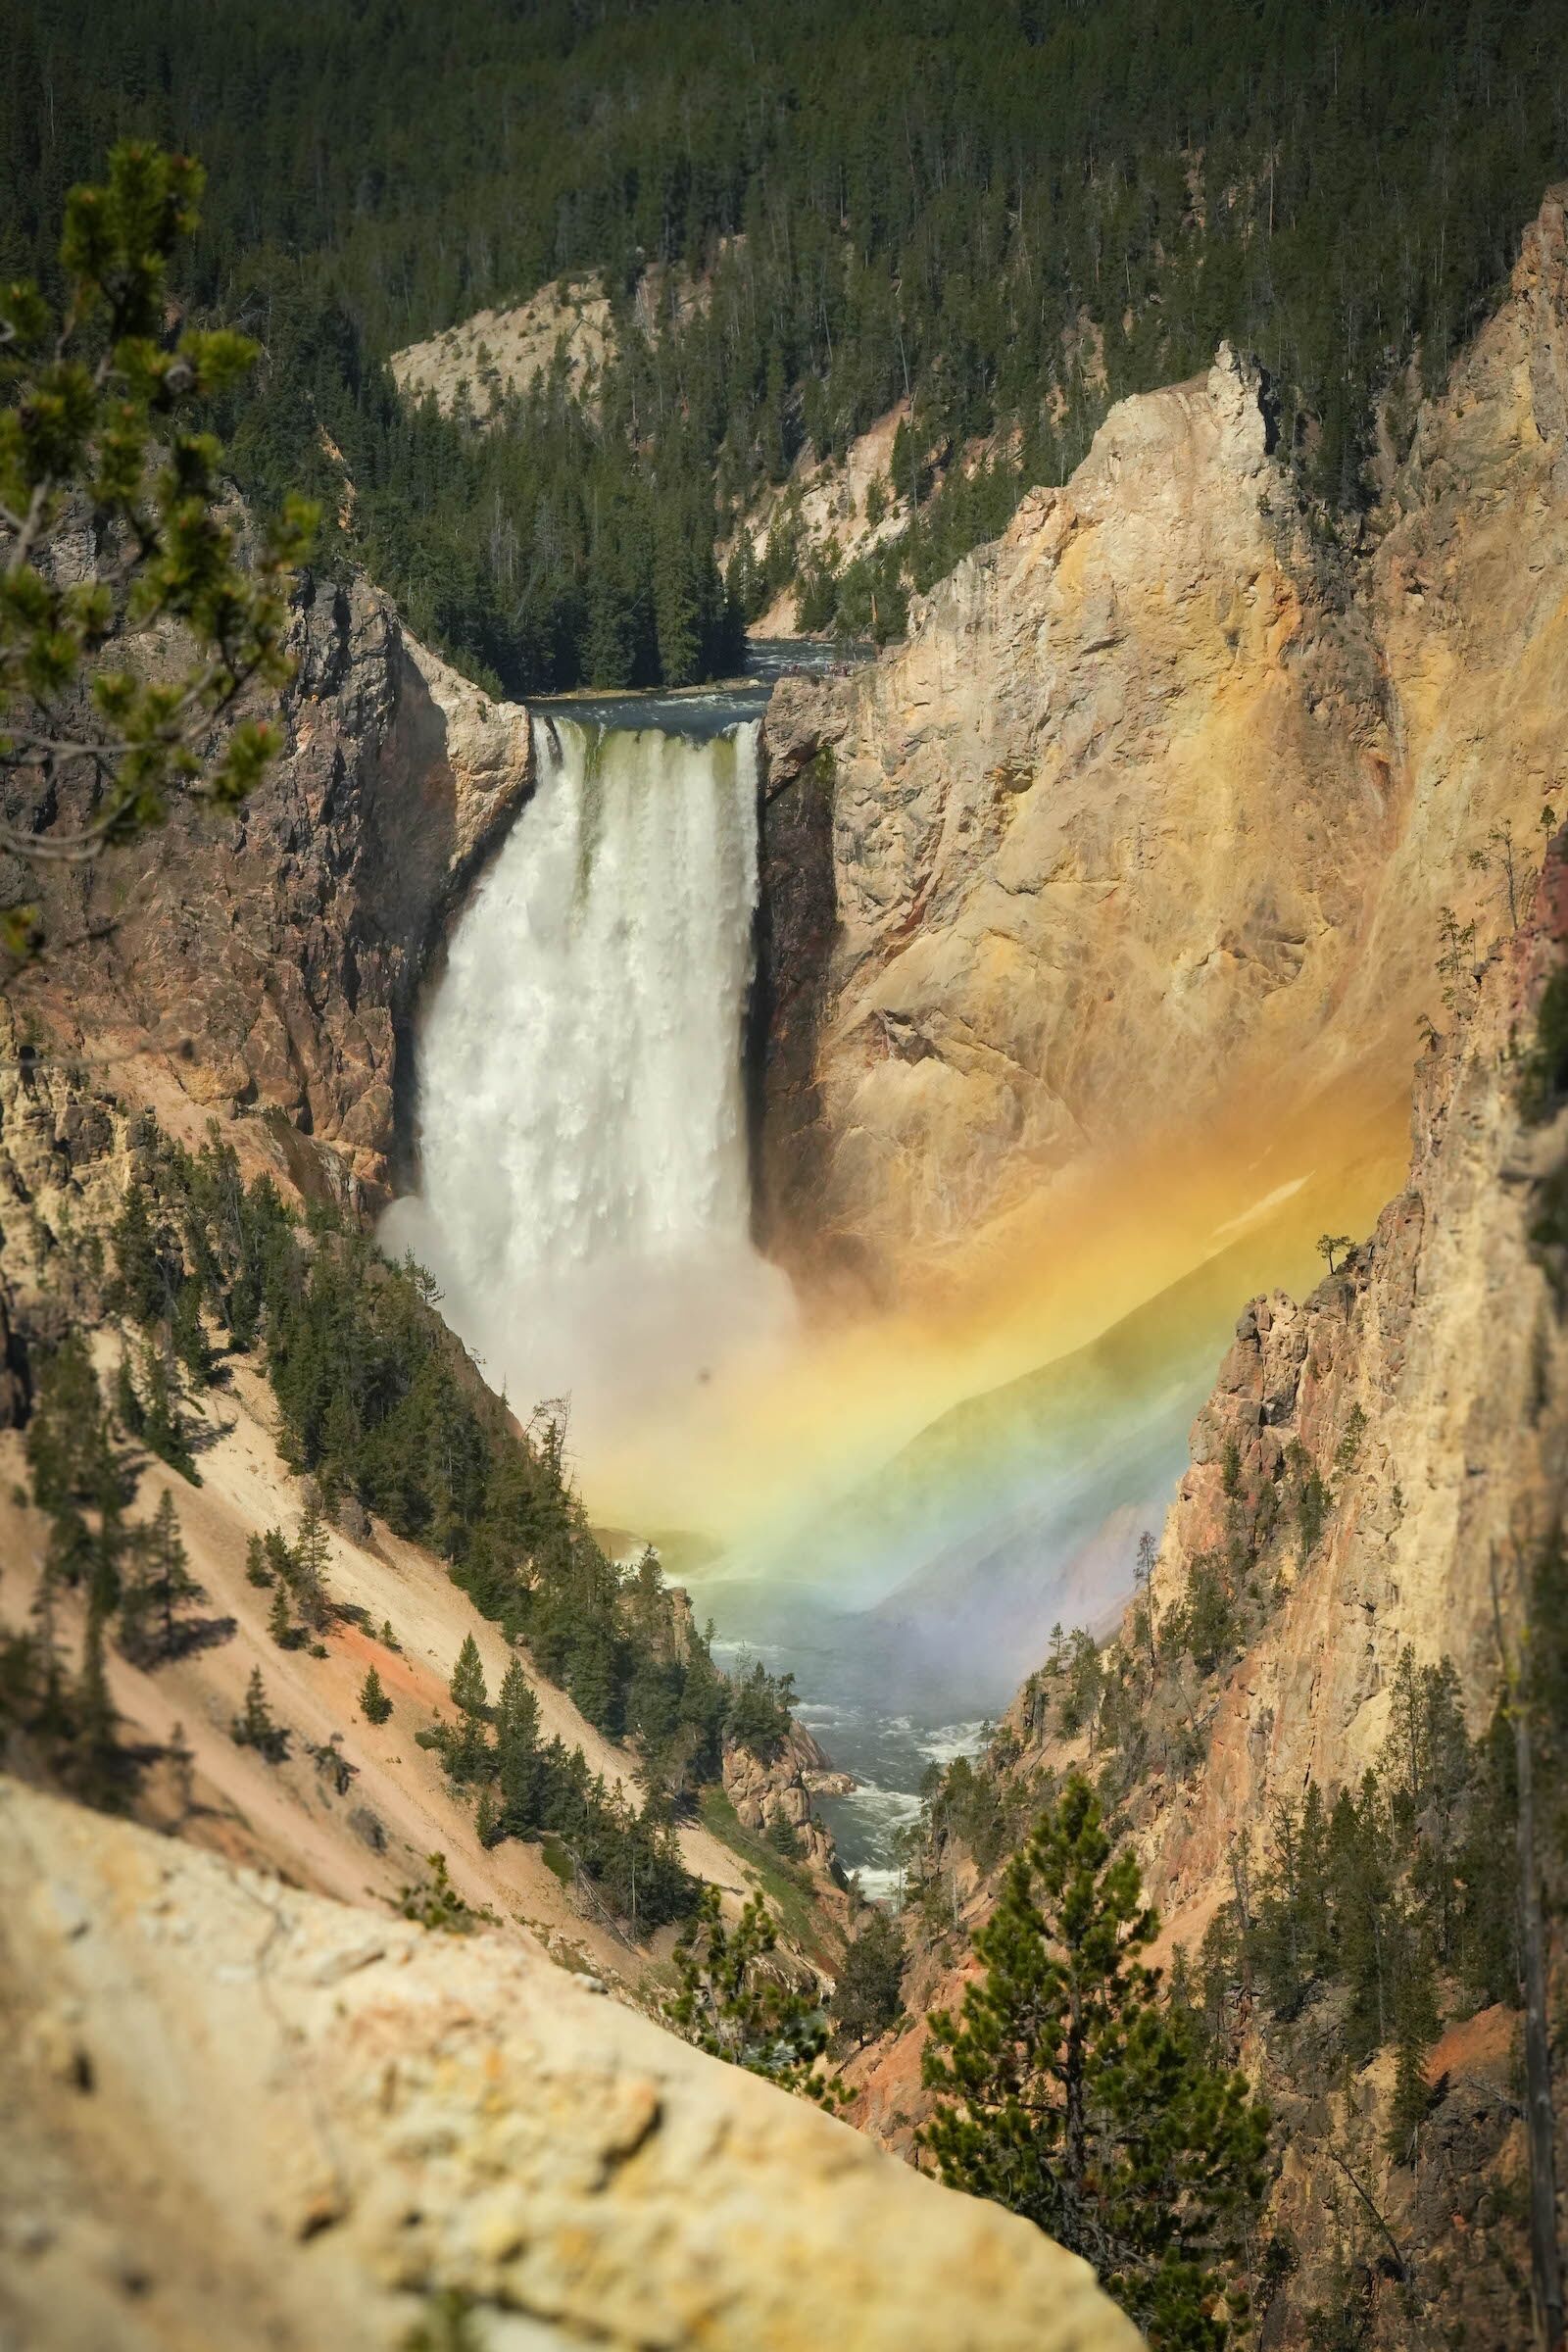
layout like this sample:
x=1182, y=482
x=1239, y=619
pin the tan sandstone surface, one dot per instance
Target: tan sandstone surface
x=243, y=2116
x=1154, y=814
x=501, y=352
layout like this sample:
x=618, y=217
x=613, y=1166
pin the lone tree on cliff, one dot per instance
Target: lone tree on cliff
x=374, y=1704
x=1073, y=2095
x=110, y=532
x=867, y=1996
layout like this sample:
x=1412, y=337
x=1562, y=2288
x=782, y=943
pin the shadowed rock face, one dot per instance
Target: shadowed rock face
x=237, y=2114
x=1155, y=812
x=271, y=962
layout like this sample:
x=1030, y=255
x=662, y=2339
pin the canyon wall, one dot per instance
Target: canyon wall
x=1425, y=1382
x=268, y=962
x=1150, y=821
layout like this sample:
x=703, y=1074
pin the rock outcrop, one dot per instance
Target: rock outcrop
x=767, y=1790
x=1427, y=1382
x=1154, y=815
x=239, y=2115
x=270, y=963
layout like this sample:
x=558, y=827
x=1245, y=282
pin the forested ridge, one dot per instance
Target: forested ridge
x=879, y=200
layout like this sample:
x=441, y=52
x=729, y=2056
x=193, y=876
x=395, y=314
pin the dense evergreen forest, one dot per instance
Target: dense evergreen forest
x=887, y=199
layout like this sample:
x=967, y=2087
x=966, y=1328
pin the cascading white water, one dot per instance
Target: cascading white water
x=585, y=1192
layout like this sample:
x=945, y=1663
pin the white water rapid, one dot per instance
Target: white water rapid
x=585, y=1196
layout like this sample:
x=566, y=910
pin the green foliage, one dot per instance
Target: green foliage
x=1456, y=962
x=375, y=1398
x=255, y=1727
x=100, y=425
x=1350, y=1444
x=783, y=1835
x=310, y=1557
x=280, y=1619
x=968, y=1806
x=530, y=1788
x=1312, y=1497
x=161, y=1418
x=901, y=206
x=1544, y=1071
x=758, y=1716
x=735, y=1999
x=1074, y=1665
x=435, y=1903
x=469, y=1692
x=867, y=1996
x=1207, y=1625
x=72, y=1454
x=1411, y=2102
x=1069, y=2093
x=157, y=1590
x=1402, y=1886
x=374, y=1704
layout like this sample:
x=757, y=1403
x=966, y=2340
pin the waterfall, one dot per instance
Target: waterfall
x=585, y=1195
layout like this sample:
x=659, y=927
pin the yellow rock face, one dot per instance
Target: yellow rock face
x=1147, y=827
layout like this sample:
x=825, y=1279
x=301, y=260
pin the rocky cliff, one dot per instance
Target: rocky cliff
x=1424, y=1387
x=269, y=964
x=1152, y=816
x=775, y=1792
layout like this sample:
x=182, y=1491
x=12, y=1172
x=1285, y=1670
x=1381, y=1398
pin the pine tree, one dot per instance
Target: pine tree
x=257, y=1572
x=139, y=1632
x=468, y=1692
x=783, y=1835
x=171, y=1586
x=733, y=2002
x=1412, y=2094
x=517, y=1761
x=95, y=1764
x=311, y=1553
x=163, y=1428
x=867, y=1996
x=1069, y=2094
x=374, y=1704
x=128, y=1404
x=486, y=1818
x=182, y=1759
x=71, y=1451
x=469, y=1754
x=255, y=1727
x=279, y=1622
x=102, y=408
x=188, y=1333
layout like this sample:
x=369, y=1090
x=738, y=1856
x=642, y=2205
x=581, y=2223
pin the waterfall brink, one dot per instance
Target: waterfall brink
x=586, y=1193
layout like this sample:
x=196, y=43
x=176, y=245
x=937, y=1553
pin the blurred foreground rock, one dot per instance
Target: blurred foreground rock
x=238, y=2115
